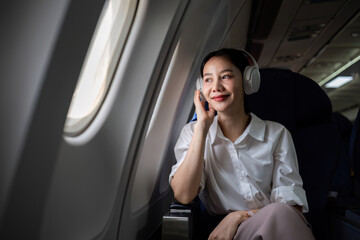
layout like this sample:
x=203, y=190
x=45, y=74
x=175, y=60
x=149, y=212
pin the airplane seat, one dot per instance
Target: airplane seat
x=305, y=110
x=341, y=186
x=355, y=153
x=344, y=211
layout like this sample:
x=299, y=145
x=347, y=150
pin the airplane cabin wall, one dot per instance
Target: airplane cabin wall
x=25, y=51
x=43, y=46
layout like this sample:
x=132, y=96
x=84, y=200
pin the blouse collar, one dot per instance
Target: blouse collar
x=255, y=129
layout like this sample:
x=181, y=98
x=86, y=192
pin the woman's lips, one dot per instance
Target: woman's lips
x=219, y=98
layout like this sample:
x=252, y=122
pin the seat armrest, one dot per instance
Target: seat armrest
x=178, y=223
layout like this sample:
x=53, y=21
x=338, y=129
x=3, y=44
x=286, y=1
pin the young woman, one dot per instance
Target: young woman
x=239, y=165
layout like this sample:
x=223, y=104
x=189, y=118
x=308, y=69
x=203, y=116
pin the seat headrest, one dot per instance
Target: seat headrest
x=343, y=124
x=355, y=146
x=290, y=99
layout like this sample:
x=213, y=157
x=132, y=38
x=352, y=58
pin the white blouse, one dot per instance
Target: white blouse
x=260, y=167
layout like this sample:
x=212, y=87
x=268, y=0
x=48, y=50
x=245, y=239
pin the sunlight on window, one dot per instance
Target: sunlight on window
x=100, y=63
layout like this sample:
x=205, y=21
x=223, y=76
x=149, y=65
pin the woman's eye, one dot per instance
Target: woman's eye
x=207, y=79
x=226, y=76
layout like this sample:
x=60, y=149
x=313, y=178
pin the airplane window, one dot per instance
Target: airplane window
x=100, y=63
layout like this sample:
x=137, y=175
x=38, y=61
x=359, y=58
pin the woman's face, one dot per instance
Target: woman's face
x=222, y=85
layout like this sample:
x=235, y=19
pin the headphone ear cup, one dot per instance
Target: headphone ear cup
x=199, y=84
x=251, y=80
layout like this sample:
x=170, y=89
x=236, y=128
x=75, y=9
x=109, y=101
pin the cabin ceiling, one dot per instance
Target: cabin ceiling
x=315, y=42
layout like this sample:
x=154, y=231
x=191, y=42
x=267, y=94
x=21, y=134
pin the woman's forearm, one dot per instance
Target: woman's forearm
x=186, y=181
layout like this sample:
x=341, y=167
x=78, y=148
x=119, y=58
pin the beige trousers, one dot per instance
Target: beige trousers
x=276, y=221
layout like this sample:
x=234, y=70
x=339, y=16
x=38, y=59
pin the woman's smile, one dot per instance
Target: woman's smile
x=220, y=98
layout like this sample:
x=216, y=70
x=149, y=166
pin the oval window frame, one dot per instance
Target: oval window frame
x=100, y=63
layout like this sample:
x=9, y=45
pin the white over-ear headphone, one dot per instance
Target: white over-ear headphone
x=251, y=76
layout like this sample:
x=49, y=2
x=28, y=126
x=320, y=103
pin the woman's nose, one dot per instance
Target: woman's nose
x=217, y=85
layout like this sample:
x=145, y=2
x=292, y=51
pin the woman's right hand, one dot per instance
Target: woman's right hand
x=204, y=118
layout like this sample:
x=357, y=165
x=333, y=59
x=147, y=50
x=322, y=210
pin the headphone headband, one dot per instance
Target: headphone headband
x=247, y=54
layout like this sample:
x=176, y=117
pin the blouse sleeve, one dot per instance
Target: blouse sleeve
x=287, y=183
x=181, y=149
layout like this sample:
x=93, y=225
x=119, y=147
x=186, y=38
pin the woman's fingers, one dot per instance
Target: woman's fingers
x=197, y=98
x=199, y=104
x=203, y=116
